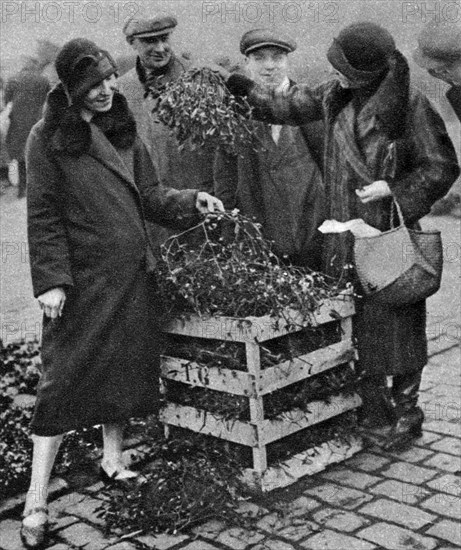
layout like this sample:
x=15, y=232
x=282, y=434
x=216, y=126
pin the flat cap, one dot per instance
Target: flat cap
x=262, y=38
x=143, y=28
x=438, y=42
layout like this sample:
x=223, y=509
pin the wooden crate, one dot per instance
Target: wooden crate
x=256, y=382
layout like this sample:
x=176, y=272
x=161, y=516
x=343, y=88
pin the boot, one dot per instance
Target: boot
x=376, y=416
x=410, y=417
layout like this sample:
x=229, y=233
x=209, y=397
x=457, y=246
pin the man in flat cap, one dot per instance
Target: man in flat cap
x=156, y=65
x=439, y=52
x=277, y=181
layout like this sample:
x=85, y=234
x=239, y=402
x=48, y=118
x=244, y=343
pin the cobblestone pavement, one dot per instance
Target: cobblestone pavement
x=408, y=500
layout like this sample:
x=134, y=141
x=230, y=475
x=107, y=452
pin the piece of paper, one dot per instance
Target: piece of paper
x=357, y=227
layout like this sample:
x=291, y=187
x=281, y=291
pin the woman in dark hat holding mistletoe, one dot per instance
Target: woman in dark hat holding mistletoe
x=92, y=186
x=383, y=142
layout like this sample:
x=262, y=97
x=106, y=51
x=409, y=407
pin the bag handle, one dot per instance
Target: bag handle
x=399, y=214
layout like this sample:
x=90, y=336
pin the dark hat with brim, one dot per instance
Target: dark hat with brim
x=81, y=65
x=145, y=28
x=438, y=43
x=265, y=38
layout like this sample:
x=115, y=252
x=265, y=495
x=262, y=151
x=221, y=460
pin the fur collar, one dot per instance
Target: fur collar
x=389, y=102
x=68, y=133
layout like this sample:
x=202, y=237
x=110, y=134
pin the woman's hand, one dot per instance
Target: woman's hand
x=52, y=302
x=374, y=192
x=206, y=204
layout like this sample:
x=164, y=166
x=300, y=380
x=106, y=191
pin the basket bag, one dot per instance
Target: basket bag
x=401, y=266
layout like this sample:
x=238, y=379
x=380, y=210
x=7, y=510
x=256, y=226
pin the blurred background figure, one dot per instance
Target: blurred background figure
x=439, y=52
x=26, y=92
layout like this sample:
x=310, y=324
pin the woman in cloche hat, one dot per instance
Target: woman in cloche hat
x=91, y=188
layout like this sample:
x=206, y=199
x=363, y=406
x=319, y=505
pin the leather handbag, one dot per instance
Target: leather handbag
x=400, y=266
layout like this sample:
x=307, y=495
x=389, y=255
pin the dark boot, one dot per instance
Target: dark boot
x=410, y=417
x=376, y=416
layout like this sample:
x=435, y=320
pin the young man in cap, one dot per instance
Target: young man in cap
x=277, y=181
x=439, y=52
x=157, y=65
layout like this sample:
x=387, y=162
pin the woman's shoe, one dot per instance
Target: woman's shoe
x=34, y=535
x=118, y=476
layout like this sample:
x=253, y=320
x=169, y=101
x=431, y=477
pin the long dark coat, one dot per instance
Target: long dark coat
x=390, y=340
x=28, y=92
x=86, y=225
x=454, y=97
x=280, y=186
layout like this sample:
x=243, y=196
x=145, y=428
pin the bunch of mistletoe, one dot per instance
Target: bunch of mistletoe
x=199, y=109
x=232, y=271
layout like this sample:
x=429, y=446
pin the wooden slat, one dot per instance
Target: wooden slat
x=300, y=368
x=295, y=420
x=214, y=378
x=303, y=464
x=266, y=431
x=199, y=421
x=259, y=329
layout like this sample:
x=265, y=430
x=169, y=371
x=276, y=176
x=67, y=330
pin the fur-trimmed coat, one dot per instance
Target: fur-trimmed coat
x=390, y=340
x=91, y=186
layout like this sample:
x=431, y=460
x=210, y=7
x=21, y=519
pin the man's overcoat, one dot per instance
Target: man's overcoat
x=86, y=226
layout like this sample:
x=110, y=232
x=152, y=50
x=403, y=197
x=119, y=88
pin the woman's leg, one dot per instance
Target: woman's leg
x=112, y=460
x=44, y=455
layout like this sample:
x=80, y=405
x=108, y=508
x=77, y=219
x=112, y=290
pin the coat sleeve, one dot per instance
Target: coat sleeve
x=432, y=158
x=163, y=205
x=225, y=176
x=48, y=245
x=299, y=105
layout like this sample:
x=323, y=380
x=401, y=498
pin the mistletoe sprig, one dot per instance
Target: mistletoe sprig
x=199, y=109
x=233, y=272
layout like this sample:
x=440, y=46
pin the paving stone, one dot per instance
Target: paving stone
x=401, y=491
x=302, y=507
x=210, y=529
x=330, y=540
x=409, y=472
x=415, y=454
x=391, y=536
x=446, y=462
x=59, y=546
x=444, y=504
x=426, y=438
x=273, y=545
x=81, y=534
x=449, y=445
x=447, y=530
x=443, y=427
x=61, y=504
x=9, y=535
x=87, y=509
x=161, y=542
x=447, y=484
x=250, y=509
x=238, y=539
x=368, y=462
x=274, y=522
x=359, y=480
x=298, y=529
x=339, y=519
x=389, y=510
x=336, y=495
x=60, y=522
x=199, y=545
x=122, y=546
